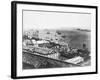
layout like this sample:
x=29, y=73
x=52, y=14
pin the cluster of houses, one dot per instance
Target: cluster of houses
x=47, y=43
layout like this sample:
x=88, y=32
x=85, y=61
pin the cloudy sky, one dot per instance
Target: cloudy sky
x=53, y=20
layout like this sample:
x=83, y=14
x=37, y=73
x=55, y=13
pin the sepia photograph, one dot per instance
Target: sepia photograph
x=53, y=39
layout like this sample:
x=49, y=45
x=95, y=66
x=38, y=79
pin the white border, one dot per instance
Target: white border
x=36, y=72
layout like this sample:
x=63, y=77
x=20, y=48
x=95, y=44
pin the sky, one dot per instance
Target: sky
x=55, y=20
